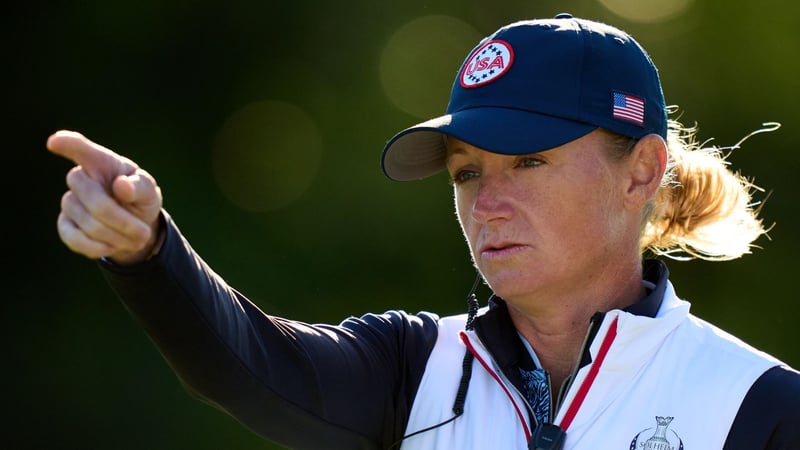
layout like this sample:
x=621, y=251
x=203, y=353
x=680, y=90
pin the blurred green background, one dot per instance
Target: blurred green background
x=264, y=121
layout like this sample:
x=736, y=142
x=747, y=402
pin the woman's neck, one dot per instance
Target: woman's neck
x=557, y=330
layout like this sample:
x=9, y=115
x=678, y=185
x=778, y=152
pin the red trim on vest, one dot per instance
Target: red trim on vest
x=465, y=340
x=580, y=396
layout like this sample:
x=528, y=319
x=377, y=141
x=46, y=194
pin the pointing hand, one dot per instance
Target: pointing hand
x=112, y=206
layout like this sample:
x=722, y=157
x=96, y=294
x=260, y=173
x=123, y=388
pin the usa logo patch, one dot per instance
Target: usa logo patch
x=486, y=64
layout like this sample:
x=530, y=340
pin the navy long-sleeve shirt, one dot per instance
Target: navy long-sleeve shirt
x=348, y=386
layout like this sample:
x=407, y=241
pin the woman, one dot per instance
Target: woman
x=565, y=171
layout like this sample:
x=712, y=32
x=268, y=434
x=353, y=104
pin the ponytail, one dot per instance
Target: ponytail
x=702, y=209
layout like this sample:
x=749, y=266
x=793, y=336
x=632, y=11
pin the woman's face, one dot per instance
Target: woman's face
x=543, y=223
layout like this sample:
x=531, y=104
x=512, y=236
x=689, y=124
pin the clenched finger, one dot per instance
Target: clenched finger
x=74, y=238
x=105, y=209
x=93, y=229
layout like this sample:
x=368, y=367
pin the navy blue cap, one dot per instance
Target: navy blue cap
x=534, y=85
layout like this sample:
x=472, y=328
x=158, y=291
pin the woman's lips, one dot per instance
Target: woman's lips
x=496, y=251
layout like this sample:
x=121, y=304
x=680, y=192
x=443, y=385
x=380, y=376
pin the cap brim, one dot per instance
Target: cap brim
x=419, y=151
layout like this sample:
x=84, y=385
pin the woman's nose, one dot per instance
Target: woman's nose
x=491, y=203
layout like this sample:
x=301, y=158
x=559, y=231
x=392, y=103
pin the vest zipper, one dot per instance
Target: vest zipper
x=594, y=325
x=550, y=410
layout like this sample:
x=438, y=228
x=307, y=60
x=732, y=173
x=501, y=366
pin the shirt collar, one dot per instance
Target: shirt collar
x=654, y=275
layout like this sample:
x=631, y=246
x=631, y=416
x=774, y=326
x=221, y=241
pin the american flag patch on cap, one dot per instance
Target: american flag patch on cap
x=629, y=107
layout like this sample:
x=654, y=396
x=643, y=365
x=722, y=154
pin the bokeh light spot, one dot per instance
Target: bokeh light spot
x=650, y=11
x=420, y=61
x=266, y=155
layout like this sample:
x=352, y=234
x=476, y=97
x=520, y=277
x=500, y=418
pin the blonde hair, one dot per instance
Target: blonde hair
x=702, y=209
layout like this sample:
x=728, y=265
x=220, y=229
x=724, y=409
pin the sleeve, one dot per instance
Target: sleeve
x=769, y=417
x=297, y=384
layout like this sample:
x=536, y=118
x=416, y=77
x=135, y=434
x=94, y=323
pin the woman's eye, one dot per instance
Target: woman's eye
x=464, y=175
x=530, y=162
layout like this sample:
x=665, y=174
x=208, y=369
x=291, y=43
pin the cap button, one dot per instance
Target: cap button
x=564, y=16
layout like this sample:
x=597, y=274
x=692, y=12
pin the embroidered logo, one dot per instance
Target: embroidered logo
x=486, y=64
x=659, y=440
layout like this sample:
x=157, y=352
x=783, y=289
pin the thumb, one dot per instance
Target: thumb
x=139, y=194
x=124, y=189
x=139, y=188
x=100, y=163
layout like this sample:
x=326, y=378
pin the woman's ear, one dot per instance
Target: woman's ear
x=646, y=166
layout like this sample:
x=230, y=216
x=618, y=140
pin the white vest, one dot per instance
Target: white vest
x=673, y=382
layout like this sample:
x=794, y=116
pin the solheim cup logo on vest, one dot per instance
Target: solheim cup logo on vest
x=660, y=439
x=486, y=64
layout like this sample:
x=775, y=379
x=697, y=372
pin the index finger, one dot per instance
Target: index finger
x=99, y=162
